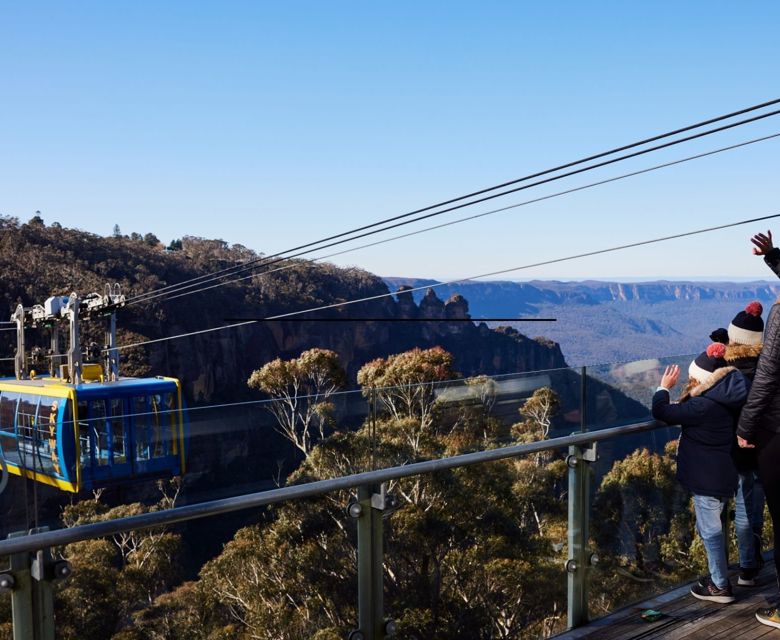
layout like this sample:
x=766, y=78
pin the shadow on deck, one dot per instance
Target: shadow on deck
x=689, y=618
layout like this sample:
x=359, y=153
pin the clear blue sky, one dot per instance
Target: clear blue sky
x=271, y=124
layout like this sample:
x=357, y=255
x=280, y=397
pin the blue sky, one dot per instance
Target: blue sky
x=274, y=124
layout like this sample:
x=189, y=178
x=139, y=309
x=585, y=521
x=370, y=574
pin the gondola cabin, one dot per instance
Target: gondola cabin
x=93, y=434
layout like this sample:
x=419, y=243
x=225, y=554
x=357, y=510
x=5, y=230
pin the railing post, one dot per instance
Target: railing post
x=32, y=597
x=580, y=558
x=368, y=510
x=583, y=399
x=20, y=583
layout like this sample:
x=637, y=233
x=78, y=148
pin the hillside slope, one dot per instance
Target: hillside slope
x=37, y=261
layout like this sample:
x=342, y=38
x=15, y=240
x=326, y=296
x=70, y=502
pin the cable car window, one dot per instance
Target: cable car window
x=159, y=426
x=26, y=431
x=25, y=417
x=8, y=411
x=99, y=425
x=140, y=429
x=118, y=431
x=47, y=434
x=8, y=426
x=171, y=421
x=84, y=439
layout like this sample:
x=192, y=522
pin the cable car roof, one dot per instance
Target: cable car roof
x=123, y=384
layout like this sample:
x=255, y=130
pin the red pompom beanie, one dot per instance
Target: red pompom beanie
x=747, y=327
x=706, y=363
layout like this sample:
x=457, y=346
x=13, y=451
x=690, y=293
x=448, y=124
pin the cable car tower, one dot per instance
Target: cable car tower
x=59, y=311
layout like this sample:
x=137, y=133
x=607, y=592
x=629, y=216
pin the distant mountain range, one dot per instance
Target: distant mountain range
x=599, y=322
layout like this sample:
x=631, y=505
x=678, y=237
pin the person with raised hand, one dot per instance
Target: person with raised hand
x=764, y=247
x=706, y=414
x=759, y=422
x=743, y=347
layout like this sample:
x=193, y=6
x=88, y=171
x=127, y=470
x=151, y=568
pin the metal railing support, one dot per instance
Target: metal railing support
x=368, y=510
x=296, y=492
x=580, y=558
x=32, y=596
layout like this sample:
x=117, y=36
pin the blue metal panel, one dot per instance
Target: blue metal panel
x=108, y=434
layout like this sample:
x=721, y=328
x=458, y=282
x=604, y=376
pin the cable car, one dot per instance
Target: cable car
x=84, y=427
x=92, y=435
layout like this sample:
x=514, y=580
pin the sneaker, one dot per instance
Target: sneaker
x=747, y=577
x=769, y=617
x=703, y=582
x=708, y=591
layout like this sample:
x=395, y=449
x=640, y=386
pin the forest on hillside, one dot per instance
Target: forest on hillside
x=39, y=260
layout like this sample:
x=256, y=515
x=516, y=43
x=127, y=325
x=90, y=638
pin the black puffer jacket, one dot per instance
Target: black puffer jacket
x=745, y=358
x=762, y=409
x=772, y=260
x=704, y=462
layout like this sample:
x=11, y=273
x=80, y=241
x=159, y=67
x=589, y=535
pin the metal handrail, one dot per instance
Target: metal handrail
x=185, y=513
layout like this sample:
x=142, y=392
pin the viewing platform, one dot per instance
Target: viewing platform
x=687, y=617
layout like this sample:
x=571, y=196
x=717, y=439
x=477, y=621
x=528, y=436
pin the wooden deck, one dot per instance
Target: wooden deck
x=689, y=618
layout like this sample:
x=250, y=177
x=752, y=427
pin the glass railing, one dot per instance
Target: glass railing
x=472, y=545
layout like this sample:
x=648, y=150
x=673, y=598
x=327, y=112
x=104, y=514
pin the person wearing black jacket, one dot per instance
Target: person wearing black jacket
x=706, y=414
x=743, y=346
x=759, y=422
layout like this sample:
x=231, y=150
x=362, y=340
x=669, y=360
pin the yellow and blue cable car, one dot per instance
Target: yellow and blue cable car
x=93, y=434
x=83, y=426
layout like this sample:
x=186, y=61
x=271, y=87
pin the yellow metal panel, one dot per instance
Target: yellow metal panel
x=92, y=372
x=48, y=391
x=75, y=406
x=181, y=425
x=39, y=477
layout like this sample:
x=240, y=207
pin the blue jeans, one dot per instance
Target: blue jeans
x=708, y=524
x=749, y=519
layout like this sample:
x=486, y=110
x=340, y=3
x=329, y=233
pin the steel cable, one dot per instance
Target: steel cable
x=275, y=258
x=483, y=214
x=450, y=282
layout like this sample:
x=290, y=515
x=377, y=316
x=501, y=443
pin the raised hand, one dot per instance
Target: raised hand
x=670, y=377
x=763, y=243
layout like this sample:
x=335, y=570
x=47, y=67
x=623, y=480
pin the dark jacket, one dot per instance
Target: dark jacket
x=745, y=358
x=772, y=260
x=704, y=457
x=762, y=410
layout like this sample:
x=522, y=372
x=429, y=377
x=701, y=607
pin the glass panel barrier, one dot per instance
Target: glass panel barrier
x=642, y=527
x=479, y=551
x=474, y=547
x=642, y=524
x=622, y=392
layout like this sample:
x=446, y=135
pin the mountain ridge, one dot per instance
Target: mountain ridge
x=600, y=321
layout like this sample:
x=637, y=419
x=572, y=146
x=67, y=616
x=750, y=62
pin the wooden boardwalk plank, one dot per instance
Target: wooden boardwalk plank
x=687, y=618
